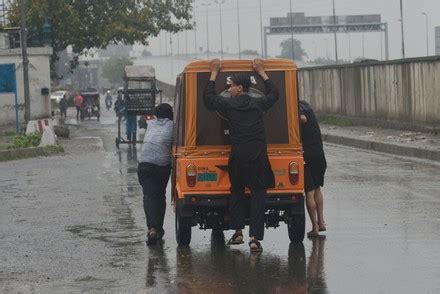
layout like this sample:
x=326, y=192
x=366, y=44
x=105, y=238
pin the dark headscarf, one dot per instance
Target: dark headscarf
x=164, y=110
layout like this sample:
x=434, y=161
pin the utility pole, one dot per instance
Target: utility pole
x=160, y=43
x=195, y=29
x=207, y=28
x=238, y=28
x=27, y=101
x=349, y=47
x=335, y=30
x=401, y=28
x=291, y=30
x=171, y=44
x=363, y=45
x=220, y=2
x=261, y=32
x=186, y=42
x=427, y=36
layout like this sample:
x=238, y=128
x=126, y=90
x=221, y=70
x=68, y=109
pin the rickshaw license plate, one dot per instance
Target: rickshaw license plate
x=207, y=177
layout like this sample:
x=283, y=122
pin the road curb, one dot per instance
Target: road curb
x=13, y=154
x=383, y=147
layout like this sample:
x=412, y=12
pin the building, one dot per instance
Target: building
x=39, y=84
x=437, y=40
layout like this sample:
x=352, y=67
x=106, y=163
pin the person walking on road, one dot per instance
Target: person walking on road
x=63, y=106
x=154, y=169
x=314, y=168
x=78, y=101
x=248, y=164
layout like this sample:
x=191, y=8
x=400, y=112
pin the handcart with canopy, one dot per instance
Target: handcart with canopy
x=139, y=95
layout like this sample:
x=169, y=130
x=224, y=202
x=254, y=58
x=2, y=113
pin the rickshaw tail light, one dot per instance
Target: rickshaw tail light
x=191, y=175
x=293, y=173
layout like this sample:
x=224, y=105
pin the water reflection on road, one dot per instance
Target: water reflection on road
x=224, y=269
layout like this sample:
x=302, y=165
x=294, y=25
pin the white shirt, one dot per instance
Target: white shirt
x=158, y=141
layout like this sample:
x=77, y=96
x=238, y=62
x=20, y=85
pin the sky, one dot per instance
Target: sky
x=315, y=45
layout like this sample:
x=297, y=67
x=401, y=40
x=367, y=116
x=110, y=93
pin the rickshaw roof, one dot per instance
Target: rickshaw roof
x=140, y=72
x=241, y=65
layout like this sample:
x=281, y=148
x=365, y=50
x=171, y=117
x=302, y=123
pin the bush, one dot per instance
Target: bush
x=25, y=141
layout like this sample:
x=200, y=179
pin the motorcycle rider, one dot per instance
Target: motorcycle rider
x=108, y=100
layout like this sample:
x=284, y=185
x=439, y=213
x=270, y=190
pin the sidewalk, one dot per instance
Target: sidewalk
x=397, y=142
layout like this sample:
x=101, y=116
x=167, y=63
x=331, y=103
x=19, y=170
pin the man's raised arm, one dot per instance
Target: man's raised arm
x=212, y=101
x=272, y=93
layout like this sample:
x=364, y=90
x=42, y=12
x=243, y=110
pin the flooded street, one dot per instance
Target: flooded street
x=75, y=222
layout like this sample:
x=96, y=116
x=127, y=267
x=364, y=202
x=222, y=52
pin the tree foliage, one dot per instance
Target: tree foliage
x=86, y=24
x=113, y=69
x=286, y=49
x=250, y=52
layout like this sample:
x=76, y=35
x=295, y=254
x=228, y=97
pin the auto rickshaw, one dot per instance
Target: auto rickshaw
x=139, y=94
x=200, y=181
x=90, y=107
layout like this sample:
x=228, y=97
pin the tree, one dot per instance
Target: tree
x=249, y=52
x=90, y=24
x=113, y=69
x=286, y=49
x=146, y=53
x=329, y=61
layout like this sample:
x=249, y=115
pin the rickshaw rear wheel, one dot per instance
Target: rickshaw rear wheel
x=183, y=228
x=296, y=226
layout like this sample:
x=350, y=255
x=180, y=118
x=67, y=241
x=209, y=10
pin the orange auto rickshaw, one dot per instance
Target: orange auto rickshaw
x=200, y=181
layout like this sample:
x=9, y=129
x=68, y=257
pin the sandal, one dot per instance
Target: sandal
x=160, y=233
x=255, y=246
x=314, y=235
x=236, y=239
x=151, y=237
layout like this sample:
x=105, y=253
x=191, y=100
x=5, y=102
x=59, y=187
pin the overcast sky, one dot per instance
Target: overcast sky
x=319, y=45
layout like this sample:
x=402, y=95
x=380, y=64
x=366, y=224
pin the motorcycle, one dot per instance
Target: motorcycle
x=108, y=104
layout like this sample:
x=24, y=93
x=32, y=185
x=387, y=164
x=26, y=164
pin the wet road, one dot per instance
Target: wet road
x=75, y=223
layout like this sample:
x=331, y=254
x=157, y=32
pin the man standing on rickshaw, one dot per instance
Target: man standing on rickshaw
x=249, y=164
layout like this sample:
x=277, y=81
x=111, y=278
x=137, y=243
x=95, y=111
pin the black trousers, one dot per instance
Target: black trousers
x=253, y=176
x=154, y=181
x=78, y=112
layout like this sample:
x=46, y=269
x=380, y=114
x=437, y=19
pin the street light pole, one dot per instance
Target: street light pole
x=195, y=30
x=207, y=28
x=291, y=30
x=261, y=32
x=238, y=28
x=335, y=30
x=427, y=36
x=220, y=2
x=401, y=28
x=23, y=31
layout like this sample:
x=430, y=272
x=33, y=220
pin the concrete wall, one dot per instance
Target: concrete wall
x=402, y=90
x=39, y=77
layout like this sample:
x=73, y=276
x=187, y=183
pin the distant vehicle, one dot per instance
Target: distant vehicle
x=90, y=106
x=56, y=96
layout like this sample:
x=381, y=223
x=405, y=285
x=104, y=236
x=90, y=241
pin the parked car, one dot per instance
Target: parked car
x=57, y=95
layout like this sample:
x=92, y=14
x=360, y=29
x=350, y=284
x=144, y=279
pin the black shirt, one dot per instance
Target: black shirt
x=245, y=116
x=311, y=133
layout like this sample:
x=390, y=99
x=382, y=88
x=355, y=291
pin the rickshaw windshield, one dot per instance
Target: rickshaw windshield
x=213, y=129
